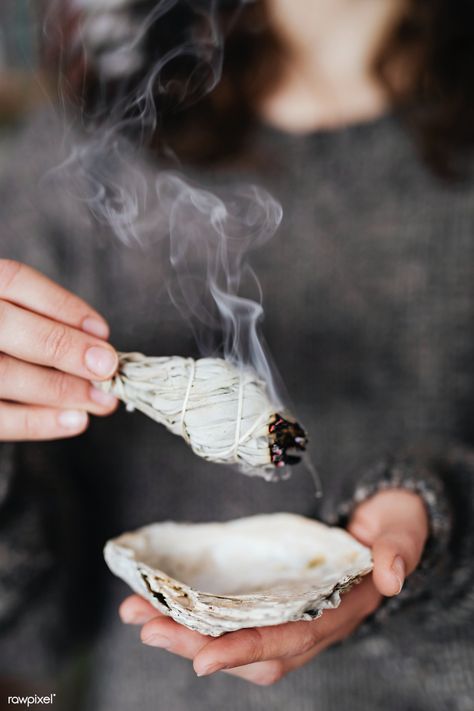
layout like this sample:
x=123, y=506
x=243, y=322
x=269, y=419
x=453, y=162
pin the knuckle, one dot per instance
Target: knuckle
x=310, y=636
x=60, y=387
x=150, y=628
x=32, y=425
x=314, y=636
x=254, y=645
x=9, y=270
x=56, y=344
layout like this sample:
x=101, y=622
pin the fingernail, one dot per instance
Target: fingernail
x=211, y=669
x=101, y=361
x=101, y=398
x=95, y=327
x=72, y=419
x=127, y=617
x=398, y=568
x=157, y=640
x=132, y=618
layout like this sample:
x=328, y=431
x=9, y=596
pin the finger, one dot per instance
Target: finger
x=167, y=634
x=24, y=423
x=395, y=523
x=22, y=285
x=342, y=633
x=261, y=673
x=134, y=610
x=39, y=340
x=164, y=633
x=281, y=641
x=33, y=384
x=257, y=644
x=270, y=672
x=395, y=555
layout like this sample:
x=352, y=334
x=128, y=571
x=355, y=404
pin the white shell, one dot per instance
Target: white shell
x=250, y=572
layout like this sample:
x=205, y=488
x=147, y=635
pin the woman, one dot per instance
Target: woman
x=368, y=293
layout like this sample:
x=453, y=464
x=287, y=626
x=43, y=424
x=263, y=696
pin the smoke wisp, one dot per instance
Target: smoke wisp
x=211, y=233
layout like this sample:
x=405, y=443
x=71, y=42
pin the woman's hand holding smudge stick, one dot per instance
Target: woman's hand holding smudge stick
x=393, y=523
x=52, y=345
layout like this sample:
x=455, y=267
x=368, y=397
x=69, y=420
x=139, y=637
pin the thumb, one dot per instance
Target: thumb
x=396, y=554
x=395, y=524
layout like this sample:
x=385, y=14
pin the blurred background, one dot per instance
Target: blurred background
x=21, y=87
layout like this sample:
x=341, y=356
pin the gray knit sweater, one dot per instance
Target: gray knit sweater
x=368, y=294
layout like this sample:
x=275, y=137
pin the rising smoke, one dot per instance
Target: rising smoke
x=210, y=233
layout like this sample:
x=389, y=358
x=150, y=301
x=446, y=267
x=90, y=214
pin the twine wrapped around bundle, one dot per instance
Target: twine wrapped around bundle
x=222, y=412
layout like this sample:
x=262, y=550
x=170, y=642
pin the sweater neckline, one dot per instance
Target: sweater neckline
x=324, y=134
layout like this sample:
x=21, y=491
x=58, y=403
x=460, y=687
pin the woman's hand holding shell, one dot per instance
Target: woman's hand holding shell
x=52, y=344
x=394, y=523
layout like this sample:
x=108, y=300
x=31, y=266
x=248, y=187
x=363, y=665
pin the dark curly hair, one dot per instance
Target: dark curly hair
x=434, y=39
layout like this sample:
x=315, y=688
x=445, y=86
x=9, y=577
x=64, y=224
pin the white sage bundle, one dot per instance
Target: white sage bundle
x=223, y=412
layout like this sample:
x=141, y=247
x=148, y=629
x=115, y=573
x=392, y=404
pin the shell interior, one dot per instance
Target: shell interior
x=250, y=572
